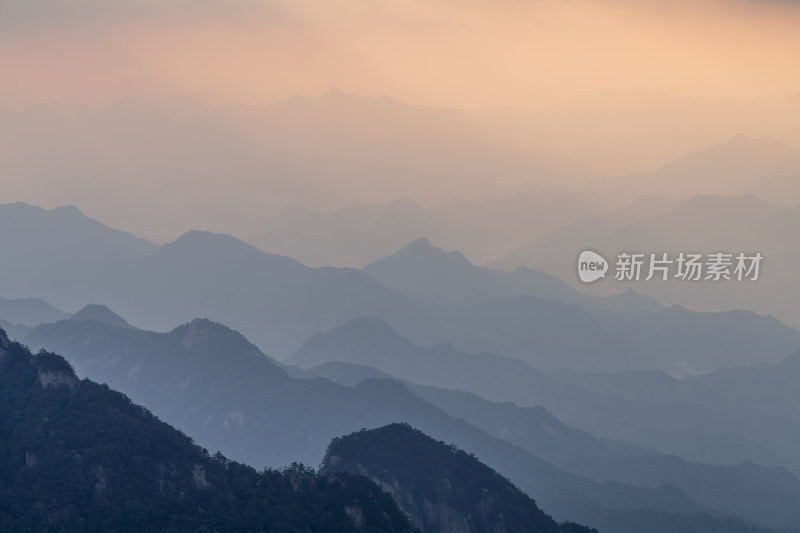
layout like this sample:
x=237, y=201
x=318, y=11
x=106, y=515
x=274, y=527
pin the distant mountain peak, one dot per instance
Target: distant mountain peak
x=201, y=330
x=69, y=227
x=29, y=311
x=102, y=314
x=422, y=249
x=366, y=329
x=207, y=242
x=421, y=243
x=210, y=246
x=362, y=335
x=218, y=342
x=70, y=210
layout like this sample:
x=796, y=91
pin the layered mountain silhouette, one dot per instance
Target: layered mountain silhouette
x=48, y=143
x=422, y=271
x=539, y=402
x=18, y=316
x=652, y=128
x=78, y=456
x=735, y=165
x=350, y=237
x=210, y=382
x=15, y=331
x=278, y=303
x=407, y=147
x=276, y=300
x=761, y=397
x=723, y=487
x=483, y=309
x=551, y=335
x=694, y=431
x=363, y=233
x=458, y=493
x=642, y=207
x=29, y=311
x=64, y=230
x=701, y=224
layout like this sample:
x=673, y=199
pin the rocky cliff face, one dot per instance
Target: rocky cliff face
x=431, y=513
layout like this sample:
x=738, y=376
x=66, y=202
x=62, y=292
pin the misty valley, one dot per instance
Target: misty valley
x=399, y=267
x=421, y=392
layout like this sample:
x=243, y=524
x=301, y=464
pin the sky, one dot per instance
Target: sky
x=469, y=54
x=570, y=93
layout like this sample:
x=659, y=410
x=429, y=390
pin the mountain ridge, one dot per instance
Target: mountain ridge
x=82, y=457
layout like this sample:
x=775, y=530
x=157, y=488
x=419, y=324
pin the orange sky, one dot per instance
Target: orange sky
x=466, y=53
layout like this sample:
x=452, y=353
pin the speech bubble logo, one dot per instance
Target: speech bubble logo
x=591, y=266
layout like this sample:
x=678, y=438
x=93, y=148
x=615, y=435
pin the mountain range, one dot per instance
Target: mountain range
x=78, y=456
x=738, y=165
x=482, y=229
x=686, y=428
x=210, y=382
x=701, y=224
x=278, y=302
x=424, y=272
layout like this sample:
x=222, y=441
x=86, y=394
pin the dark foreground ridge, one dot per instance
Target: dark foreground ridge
x=76, y=456
x=440, y=488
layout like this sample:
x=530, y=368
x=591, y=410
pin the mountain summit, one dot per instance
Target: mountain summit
x=422, y=271
x=439, y=487
x=102, y=314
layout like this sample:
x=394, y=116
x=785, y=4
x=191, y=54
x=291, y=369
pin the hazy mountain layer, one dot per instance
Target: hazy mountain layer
x=210, y=382
x=686, y=428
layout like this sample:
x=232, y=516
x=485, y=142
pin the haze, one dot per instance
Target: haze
x=240, y=116
x=270, y=224
x=474, y=54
